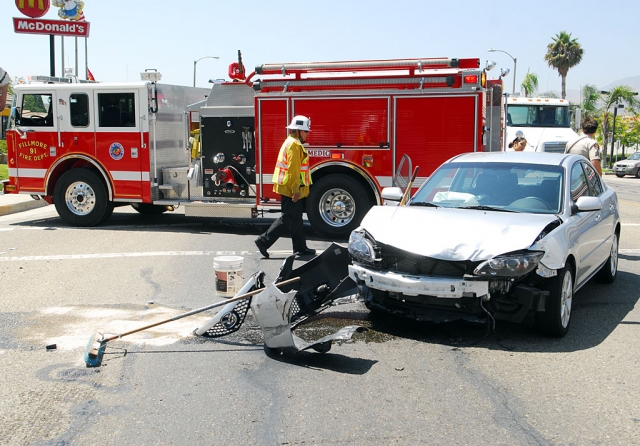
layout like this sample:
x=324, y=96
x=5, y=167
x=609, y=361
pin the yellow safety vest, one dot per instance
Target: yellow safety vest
x=281, y=172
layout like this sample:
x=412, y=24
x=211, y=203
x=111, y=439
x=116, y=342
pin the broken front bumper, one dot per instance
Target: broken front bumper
x=442, y=287
x=442, y=299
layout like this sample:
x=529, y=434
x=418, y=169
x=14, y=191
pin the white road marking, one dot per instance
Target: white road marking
x=114, y=255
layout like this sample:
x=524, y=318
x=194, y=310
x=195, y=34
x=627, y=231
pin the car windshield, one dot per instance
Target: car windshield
x=634, y=156
x=510, y=187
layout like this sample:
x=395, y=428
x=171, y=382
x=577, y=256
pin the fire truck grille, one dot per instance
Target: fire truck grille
x=555, y=147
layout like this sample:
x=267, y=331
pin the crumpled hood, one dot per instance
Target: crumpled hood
x=454, y=234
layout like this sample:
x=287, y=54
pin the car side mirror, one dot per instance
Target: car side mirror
x=392, y=193
x=586, y=204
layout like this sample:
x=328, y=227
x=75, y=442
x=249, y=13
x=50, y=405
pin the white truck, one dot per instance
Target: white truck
x=544, y=122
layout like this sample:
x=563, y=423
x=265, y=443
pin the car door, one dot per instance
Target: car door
x=607, y=213
x=586, y=236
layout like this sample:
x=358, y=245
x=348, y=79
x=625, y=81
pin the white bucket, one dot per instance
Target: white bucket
x=228, y=271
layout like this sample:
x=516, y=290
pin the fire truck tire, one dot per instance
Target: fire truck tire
x=81, y=198
x=149, y=209
x=336, y=205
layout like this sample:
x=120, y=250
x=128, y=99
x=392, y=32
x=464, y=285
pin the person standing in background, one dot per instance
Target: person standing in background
x=518, y=144
x=587, y=145
x=4, y=87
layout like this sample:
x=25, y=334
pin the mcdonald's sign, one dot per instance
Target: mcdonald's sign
x=33, y=8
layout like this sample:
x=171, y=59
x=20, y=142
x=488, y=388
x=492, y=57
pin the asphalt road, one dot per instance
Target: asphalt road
x=398, y=383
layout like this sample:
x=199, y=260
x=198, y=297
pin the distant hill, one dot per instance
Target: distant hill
x=634, y=82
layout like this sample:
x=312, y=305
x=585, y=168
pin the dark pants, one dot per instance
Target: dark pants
x=290, y=223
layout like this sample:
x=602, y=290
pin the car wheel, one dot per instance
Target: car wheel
x=336, y=205
x=554, y=321
x=619, y=175
x=81, y=198
x=638, y=173
x=149, y=209
x=609, y=270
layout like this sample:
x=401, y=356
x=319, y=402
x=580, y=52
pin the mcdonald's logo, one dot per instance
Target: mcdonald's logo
x=33, y=8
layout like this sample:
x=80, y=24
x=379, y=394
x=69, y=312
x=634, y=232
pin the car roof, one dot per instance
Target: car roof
x=551, y=159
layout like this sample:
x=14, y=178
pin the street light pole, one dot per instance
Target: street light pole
x=515, y=61
x=195, y=63
x=613, y=131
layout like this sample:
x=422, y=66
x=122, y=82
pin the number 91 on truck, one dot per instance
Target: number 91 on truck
x=88, y=146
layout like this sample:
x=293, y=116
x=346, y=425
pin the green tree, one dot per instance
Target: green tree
x=589, y=105
x=622, y=94
x=563, y=53
x=529, y=84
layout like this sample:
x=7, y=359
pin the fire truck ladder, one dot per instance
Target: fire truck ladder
x=418, y=74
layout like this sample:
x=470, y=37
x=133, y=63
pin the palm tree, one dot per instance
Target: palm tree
x=562, y=54
x=617, y=95
x=590, y=98
x=529, y=84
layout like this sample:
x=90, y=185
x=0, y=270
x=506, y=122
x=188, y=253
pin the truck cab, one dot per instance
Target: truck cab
x=544, y=122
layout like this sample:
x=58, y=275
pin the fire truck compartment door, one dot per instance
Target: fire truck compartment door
x=118, y=141
x=37, y=142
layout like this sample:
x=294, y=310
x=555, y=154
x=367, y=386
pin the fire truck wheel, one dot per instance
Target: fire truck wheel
x=149, y=209
x=336, y=205
x=81, y=198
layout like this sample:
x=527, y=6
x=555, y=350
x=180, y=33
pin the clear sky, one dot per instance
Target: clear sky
x=129, y=36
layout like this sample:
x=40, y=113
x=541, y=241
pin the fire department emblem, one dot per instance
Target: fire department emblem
x=116, y=151
x=33, y=8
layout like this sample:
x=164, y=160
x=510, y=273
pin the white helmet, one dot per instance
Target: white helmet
x=300, y=122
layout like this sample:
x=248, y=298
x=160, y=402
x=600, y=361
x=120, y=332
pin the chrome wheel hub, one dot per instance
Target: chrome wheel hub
x=80, y=198
x=337, y=207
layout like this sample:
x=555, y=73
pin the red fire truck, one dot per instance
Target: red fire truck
x=87, y=147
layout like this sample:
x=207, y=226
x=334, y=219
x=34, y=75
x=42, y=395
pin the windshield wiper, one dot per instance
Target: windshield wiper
x=481, y=207
x=422, y=203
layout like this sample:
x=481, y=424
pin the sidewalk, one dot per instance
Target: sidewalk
x=12, y=203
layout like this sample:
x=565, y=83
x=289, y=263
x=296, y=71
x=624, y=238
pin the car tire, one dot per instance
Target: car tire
x=638, y=173
x=149, y=209
x=619, y=175
x=81, y=199
x=609, y=270
x=336, y=205
x=555, y=320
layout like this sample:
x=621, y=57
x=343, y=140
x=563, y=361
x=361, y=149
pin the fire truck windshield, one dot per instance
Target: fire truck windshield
x=537, y=116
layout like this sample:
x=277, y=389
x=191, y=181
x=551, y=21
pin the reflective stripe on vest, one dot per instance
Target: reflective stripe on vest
x=281, y=173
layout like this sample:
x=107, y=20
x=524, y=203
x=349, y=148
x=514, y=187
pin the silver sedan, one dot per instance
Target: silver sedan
x=490, y=236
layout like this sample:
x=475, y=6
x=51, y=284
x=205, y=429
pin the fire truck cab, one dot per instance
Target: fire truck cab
x=88, y=147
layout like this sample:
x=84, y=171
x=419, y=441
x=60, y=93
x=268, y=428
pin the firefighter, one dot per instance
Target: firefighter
x=291, y=179
x=587, y=145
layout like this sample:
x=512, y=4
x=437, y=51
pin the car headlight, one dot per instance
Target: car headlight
x=361, y=248
x=510, y=265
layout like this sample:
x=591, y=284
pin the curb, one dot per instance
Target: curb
x=6, y=209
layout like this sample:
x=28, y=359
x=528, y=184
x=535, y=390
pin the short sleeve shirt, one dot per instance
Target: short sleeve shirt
x=585, y=146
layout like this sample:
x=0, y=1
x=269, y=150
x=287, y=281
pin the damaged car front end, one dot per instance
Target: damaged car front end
x=424, y=288
x=488, y=237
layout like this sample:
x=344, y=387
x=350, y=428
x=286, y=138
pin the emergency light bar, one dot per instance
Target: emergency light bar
x=58, y=80
x=150, y=75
